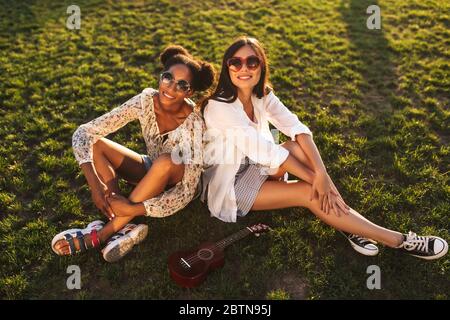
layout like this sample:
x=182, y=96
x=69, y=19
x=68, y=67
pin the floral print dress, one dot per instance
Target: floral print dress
x=184, y=142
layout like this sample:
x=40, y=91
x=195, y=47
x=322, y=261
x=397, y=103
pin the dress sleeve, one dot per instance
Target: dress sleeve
x=89, y=133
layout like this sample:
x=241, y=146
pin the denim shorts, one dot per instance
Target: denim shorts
x=147, y=161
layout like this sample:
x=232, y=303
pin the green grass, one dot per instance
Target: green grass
x=376, y=100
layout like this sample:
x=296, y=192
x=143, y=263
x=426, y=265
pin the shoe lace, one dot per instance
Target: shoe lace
x=358, y=238
x=415, y=242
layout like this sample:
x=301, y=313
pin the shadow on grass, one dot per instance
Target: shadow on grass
x=376, y=57
x=376, y=64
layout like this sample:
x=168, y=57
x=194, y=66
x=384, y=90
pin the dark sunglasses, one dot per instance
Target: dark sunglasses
x=181, y=85
x=236, y=63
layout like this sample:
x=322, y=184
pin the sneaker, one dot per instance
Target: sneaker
x=424, y=247
x=363, y=245
x=123, y=241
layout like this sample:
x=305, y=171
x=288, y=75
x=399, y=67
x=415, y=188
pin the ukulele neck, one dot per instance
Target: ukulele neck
x=233, y=238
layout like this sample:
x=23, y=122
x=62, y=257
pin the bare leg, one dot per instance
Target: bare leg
x=295, y=150
x=112, y=160
x=163, y=173
x=280, y=194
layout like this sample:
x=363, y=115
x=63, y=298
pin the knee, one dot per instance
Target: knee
x=164, y=162
x=278, y=175
x=99, y=146
x=304, y=189
x=289, y=145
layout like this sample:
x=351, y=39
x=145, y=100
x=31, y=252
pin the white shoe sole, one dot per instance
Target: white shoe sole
x=119, y=248
x=139, y=233
x=364, y=251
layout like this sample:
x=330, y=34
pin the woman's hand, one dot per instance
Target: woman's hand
x=99, y=194
x=320, y=187
x=342, y=205
x=121, y=206
x=336, y=204
x=329, y=197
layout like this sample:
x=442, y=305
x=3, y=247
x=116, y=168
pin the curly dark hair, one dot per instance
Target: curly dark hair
x=203, y=73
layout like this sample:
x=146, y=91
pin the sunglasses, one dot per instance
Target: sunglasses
x=181, y=85
x=236, y=63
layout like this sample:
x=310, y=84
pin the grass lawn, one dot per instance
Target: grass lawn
x=377, y=102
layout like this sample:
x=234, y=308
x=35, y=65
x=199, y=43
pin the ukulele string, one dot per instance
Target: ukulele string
x=214, y=248
x=219, y=245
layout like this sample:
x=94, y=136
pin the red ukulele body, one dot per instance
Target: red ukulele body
x=189, y=268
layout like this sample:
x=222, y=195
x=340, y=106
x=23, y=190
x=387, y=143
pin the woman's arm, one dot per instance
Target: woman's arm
x=99, y=190
x=123, y=207
x=309, y=147
x=287, y=122
x=322, y=185
x=282, y=118
x=88, y=134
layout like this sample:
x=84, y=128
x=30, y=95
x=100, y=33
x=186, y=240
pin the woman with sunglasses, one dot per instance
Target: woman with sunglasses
x=245, y=168
x=165, y=178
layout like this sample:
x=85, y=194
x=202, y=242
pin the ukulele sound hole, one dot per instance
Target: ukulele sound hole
x=205, y=254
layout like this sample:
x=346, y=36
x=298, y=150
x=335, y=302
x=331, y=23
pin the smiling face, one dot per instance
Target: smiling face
x=245, y=78
x=168, y=93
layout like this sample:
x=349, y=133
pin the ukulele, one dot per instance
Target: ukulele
x=189, y=268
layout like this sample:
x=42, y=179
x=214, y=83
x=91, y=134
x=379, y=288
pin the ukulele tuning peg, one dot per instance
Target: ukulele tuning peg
x=260, y=228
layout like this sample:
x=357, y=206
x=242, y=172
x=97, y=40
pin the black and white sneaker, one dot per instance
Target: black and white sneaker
x=424, y=247
x=362, y=245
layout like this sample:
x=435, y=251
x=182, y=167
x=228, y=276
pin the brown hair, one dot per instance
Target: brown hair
x=226, y=91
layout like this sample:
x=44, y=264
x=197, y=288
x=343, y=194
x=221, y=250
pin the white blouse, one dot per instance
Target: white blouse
x=231, y=135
